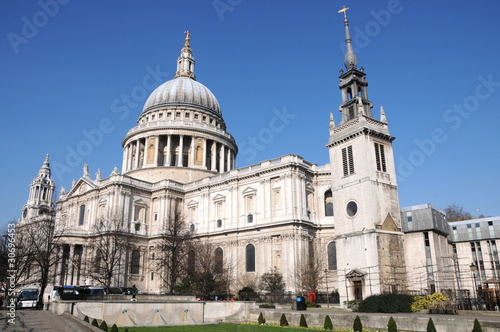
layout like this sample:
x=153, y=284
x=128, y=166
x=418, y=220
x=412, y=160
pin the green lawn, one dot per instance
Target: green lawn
x=226, y=328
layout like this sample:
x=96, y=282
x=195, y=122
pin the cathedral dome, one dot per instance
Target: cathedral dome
x=183, y=92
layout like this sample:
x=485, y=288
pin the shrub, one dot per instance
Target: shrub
x=353, y=304
x=303, y=322
x=357, y=326
x=95, y=323
x=391, y=326
x=283, y=321
x=327, y=325
x=430, y=326
x=114, y=328
x=423, y=302
x=477, y=327
x=261, y=319
x=386, y=303
x=267, y=305
x=86, y=319
x=104, y=326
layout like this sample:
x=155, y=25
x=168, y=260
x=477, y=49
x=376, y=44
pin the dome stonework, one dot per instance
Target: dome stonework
x=183, y=92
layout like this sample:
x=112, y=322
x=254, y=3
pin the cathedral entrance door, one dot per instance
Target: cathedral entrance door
x=358, y=290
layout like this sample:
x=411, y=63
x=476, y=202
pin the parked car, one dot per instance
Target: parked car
x=115, y=291
x=97, y=290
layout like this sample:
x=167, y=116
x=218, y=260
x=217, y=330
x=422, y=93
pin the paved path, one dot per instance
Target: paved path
x=36, y=321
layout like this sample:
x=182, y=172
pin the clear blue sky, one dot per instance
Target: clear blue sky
x=434, y=67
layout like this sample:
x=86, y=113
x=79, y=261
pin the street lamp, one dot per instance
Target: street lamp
x=327, y=297
x=473, y=269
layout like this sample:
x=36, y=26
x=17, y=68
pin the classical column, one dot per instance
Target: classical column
x=192, y=147
x=169, y=139
x=214, y=155
x=145, y=154
x=181, y=148
x=204, y=163
x=222, y=158
x=157, y=147
x=124, y=161
x=228, y=159
x=137, y=151
x=70, y=264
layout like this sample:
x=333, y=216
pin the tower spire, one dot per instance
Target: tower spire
x=350, y=60
x=185, y=63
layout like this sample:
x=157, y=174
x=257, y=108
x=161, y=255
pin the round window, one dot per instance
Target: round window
x=352, y=208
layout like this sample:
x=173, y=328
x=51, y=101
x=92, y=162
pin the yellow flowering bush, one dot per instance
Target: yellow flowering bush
x=423, y=302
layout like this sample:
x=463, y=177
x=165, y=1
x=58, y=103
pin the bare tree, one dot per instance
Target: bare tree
x=455, y=212
x=110, y=243
x=37, y=247
x=211, y=277
x=172, y=248
x=308, y=275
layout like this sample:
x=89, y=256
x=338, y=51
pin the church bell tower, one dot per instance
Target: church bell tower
x=368, y=234
x=41, y=197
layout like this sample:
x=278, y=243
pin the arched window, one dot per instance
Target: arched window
x=250, y=258
x=135, y=263
x=97, y=262
x=332, y=256
x=219, y=258
x=328, y=203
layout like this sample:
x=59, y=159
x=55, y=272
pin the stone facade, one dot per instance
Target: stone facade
x=279, y=213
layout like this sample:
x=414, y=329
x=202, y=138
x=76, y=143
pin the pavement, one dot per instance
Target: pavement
x=28, y=320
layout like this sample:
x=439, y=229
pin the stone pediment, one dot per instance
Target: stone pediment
x=355, y=273
x=249, y=191
x=389, y=224
x=219, y=198
x=82, y=186
x=192, y=203
x=140, y=202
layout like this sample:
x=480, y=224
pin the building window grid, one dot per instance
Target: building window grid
x=477, y=257
x=478, y=231
x=380, y=157
x=492, y=260
x=491, y=229
x=409, y=216
x=469, y=231
x=495, y=257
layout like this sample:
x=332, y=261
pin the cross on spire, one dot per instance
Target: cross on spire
x=187, y=38
x=343, y=10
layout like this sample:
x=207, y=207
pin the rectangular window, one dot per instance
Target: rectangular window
x=348, y=161
x=409, y=216
x=380, y=157
x=169, y=114
x=186, y=116
x=478, y=231
x=160, y=116
x=469, y=231
x=82, y=215
x=178, y=114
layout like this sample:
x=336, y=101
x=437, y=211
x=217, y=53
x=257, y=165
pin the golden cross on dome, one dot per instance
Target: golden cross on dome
x=343, y=11
x=187, y=38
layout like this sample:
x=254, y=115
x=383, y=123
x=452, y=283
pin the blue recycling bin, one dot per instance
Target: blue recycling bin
x=301, y=303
